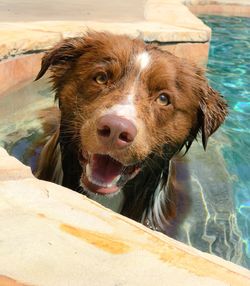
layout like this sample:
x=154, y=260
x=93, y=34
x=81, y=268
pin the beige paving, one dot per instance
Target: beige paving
x=53, y=236
x=27, y=26
x=231, y=8
x=74, y=10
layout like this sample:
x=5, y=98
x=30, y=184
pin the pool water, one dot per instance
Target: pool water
x=19, y=112
x=229, y=73
x=215, y=209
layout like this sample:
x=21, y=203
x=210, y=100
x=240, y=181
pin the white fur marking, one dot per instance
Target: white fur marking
x=143, y=59
x=127, y=107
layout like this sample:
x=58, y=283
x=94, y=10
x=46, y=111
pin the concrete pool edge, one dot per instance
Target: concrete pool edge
x=229, y=8
x=71, y=224
x=168, y=23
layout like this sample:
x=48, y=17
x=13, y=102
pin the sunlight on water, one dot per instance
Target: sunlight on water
x=229, y=72
x=19, y=111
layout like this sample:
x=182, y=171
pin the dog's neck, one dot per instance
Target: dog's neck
x=147, y=199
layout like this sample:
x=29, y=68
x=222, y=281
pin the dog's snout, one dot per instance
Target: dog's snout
x=115, y=131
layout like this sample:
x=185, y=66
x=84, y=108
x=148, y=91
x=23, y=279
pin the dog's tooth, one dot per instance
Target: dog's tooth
x=122, y=180
x=102, y=184
x=116, y=179
x=85, y=154
x=88, y=171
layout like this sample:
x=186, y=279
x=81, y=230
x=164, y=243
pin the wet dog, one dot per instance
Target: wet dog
x=125, y=109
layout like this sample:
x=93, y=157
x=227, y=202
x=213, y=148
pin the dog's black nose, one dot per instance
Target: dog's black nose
x=115, y=131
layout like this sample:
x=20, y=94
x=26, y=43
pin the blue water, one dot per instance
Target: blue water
x=229, y=73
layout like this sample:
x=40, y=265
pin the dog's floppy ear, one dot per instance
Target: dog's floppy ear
x=212, y=107
x=213, y=112
x=62, y=54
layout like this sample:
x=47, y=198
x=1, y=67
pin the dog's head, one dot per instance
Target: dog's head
x=122, y=100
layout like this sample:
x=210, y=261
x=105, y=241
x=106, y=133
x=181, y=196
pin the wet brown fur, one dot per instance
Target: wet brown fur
x=162, y=130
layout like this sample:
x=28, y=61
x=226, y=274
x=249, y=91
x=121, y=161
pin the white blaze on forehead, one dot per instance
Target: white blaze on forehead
x=126, y=108
x=143, y=59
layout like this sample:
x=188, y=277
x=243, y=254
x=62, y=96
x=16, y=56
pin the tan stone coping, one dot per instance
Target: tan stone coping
x=51, y=235
x=221, y=10
x=156, y=20
x=232, y=8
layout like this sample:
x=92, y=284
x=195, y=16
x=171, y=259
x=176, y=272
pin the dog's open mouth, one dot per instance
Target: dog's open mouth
x=105, y=175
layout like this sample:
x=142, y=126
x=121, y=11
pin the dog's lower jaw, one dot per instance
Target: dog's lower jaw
x=95, y=188
x=92, y=186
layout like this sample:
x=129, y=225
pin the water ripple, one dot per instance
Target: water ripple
x=229, y=72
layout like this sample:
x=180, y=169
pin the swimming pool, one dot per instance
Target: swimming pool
x=229, y=73
x=216, y=183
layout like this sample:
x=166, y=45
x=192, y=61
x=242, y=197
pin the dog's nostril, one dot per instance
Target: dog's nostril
x=124, y=136
x=104, y=132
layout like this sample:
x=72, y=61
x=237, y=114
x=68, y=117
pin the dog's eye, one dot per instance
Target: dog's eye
x=101, y=78
x=163, y=99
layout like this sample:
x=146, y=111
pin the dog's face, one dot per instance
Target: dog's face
x=122, y=100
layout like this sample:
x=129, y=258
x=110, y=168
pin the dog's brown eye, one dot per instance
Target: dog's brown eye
x=101, y=78
x=163, y=99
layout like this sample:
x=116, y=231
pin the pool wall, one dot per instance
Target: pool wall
x=54, y=236
x=18, y=70
x=240, y=8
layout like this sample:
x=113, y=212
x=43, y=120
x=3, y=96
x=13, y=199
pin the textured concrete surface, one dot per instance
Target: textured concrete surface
x=239, y=8
x=74, y=10
x=27, y=26
x=222, y=10
x=16, y=72
x=54, y=236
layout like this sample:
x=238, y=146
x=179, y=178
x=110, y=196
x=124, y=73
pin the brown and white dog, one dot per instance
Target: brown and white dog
x=126, y=108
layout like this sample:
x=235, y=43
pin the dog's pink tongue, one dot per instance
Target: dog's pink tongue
x=104, y=168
